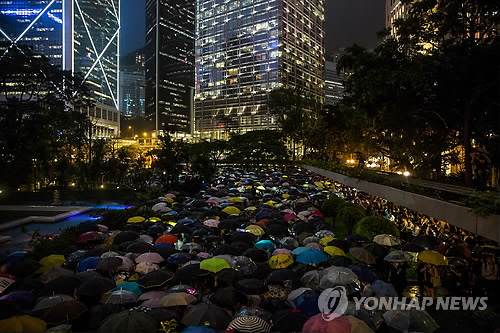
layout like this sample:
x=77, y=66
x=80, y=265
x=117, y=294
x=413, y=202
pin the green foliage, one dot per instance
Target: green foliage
x=151, y=193
x=349, y=216
x=257, y=147
x=44, y=246
x=329, y=207
x=116, y=219
x=483, y=204
x=371, y=226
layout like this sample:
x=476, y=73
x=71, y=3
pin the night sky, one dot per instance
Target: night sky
x=347, y=22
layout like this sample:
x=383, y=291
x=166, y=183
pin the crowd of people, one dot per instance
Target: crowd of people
x=251, y=252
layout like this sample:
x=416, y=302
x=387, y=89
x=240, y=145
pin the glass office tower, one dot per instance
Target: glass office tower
x=247, y=48
x=170, y=64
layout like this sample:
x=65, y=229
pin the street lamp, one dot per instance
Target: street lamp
x=145, y=134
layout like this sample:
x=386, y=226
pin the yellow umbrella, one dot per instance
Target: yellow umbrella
x=172, y=223
x=270, y=203
x=170, y=200
x=136, y=219
x=285, y=195
x=334, y=251
x=154, y=219
x=432, y=257
x=325, y=240
x=24, y=323
x=255, y=229
x=280, y=261
x=261, y=188
x=231, y=210
x=319, y=184
x=235, y=199
x=214, y=264
x=49, y=262
x=249, y=187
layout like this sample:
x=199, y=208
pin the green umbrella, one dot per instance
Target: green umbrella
x=214, y=264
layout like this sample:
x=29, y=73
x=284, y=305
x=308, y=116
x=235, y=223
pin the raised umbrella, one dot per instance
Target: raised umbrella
x=344, y=324
x=256, y=255
x=311, y=279
x=24, y=268
x=412, y=320
x=95, y=288
x=411, y=247
x=387, y=240
x=90, y=236
x=288, y=320
x=177, y=299
x=120, y=296
x=308, y=302
x=87, y=264
x=334, y=251
x=63, y=312
x=145, y=268
x=341, y=244
x=215, y=317
x=129, y=321
x=214, y=264
x=24, y=300
x=426, y=241
x=398, y=256
x=140, y=247
x=169, y=239
x=61, y=285
x=244, y=265
x=191, y=246
x=364, y=273
x=54, y=273
x=23, y=324
x=280, y=275
x=151, y=299
x=282, y=251
x=340, y=261
x=382, y=288
x=130, y=286
x=136, y=219
x=300, y=250
x=48, y=302
x=312, y=257
x=109, y=265
x=187, y=273
x=265, y=244
x=180, y=258
x=363, y=255
x=333, y=276
x=432, y=257
x=251, y=286
x=125, y=236
x=155, y=279
x=379, y=251
x=280, y=261
x=52, y=261
x=255, y=230
x=243, y=237
x=150, y=258
x=314, y=246
x=249, y=324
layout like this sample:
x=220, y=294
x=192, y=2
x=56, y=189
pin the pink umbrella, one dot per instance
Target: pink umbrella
x=305, y=213
x=211, y=223
x=102, y=228
x=315, y=246
x=127, y=264
x=204, y=255
x=150, y=258
x=289, y=217
x=170, y=195
x=342, y=324
x=151, y=299
x=145, y=268
x=282, y=251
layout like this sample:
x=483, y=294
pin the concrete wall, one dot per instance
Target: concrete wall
x=459, y=216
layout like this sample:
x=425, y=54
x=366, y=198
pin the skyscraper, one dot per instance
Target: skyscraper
x=132, y=84
x=77, y=35
x=247, y=48
x=334, y=86
x=170, y=64
x=394, y=10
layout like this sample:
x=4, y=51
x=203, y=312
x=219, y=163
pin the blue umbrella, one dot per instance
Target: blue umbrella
x=262, y=214
x=312, y=257
x=308, y=302
x=198, y=329
x=16, y=256
x=130, y=286
x=172, y=212
x=87, y=263
x=186, y=221
x=156, y=229
x=163, y=245
x=381, y=288
x=300, y=250
x=364, y=273
x=265, y=244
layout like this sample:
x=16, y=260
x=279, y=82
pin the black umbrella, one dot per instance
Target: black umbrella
x=241, y=247
x=280, y=275
x=140, y=247
x=243, y=237
x=155, y=279
x=357, y=239
x=189, y=272
x=89, y=275
x=225, y=249
x=379, y=251
x=427, y=241
x=87, y=226
x=129, y=321
x=277, y=230
x=340, y=261
x=63, y=312
x=410, y=247
x=199, y=314
x=257, y=255
x=251, y=286
x=230, y=224
x=288, y=321
x=109, y=265
x=165, y=251
x=341, y=244
x=95, y=288
x=95, y=252
x=62, y=285
x=180, y=258
x=97, y=314
x=27, y=284
x=229, y=298
x=24, y=268
x=226, y=277
x=125, y=236
x=181, y=229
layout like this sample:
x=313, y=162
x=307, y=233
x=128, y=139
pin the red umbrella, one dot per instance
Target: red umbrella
x=342, y=324
x=88, y=236
x=170, y=239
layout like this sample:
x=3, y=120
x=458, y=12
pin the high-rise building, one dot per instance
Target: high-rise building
x=394, y=10
x=77, y=35
x=247, y=48
x=170, y=64
x=334, y=86
x=132, y=84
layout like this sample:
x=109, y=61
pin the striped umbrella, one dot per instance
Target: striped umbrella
x=249, y=324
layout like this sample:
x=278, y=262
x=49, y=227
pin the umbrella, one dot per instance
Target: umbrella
x=129, y=286
x=61, y=285
x=145, y=268
x=379, y=251
x=334, y=251
x=177, y=299
x=188, y=273
x=357, y=239
x=288, y=321
x=398, y=256
x=289, y=243
x=120, y=296
x=109, y=254
x=126, y=265
x=151, y=299
x=347, y=324
x=51, y=301
x=243, y=237
x=362, y=255
x=411, y=247
x=280, y=275
x=155, y=279
x=381, y=288
x=191, y=246
x=89, y=236
x=265, y=244
x=311, y=279
x=214, y=264
x=52, y=261
x=129, y=321
x=426, y=241
x=412, y=320
x=23, y=299
x=231, y=210
x=125, y=236
x=169, y=239
x=54, y=273
x=150, y=258
x=87, y=264
x=255, y=230
x=198, y=315
x=136, y=219
x=386, y=239
x=63, y=312
x=280, y=261
x=341, y=261
x=244, y=265
x=310, y=239
x=300, y=250
x=308, y=302
x=296, y=293
x=95, y=288
x=24, y=268
x=24, y=323
x=315, y=246
x=332, y=276
x=249, y=324
x=256, y=255
x=109, y=265
x=16, y=256
x=433, y=257
x=180, y=258
x=212, y=223
x=312, y=257
x=364, y=273
x=325, y=240
x=281, y=251
x=140, y=247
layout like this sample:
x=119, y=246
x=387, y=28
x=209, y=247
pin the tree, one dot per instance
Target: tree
x=349, y=216
x=257, y=147
x=372, y=226
x=173, y=158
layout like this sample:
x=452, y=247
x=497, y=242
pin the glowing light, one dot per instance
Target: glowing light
x=400, y=173
x=406, y=173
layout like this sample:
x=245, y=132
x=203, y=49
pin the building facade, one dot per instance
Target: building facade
x=77, y=35
x=169, y=56
x=247, y=48
x=334, y=86
x=132, y=85
x=394, y=10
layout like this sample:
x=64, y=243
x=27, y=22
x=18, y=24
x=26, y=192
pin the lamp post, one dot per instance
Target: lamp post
x=131, y=129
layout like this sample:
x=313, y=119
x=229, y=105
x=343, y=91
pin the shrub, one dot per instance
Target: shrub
x=330, y=206
x=371, y=226
x=349, y=216
x=46, y=246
